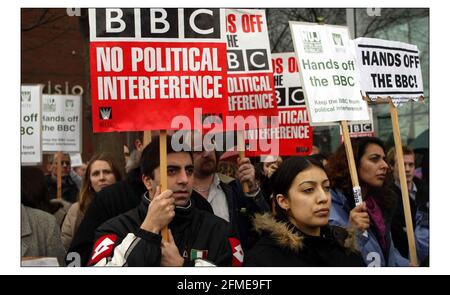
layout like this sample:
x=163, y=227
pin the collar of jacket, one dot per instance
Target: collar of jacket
x=287, y=235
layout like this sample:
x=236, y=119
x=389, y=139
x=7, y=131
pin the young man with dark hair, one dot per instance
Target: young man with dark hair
x=133, y=238
x=419, y=202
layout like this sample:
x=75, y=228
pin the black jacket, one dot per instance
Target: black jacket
x=110, y=202
x=282, y=244
x=69, y=189
x=398, y=227
x=195, y=232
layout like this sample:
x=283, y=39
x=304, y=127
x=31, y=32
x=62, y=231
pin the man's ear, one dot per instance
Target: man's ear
x=147, y=182
x=282, y=201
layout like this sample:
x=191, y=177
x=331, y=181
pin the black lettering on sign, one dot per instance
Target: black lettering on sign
x=296, y=96
x=235, y=60
x=159, y=23
x=202, y=23
x=367, y=127
x=115, y=22
x=257, y=59
x=281, y=97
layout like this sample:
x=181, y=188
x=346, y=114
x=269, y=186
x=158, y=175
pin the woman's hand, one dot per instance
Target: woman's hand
x=359, y=218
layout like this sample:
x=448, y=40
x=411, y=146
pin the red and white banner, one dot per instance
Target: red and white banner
x=294, y=134
x=150, y=66
x=251, y=91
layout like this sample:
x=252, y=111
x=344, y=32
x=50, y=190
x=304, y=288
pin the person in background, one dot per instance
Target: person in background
x=268, y=165
x=40, y=233
x=76, y=177
x=298, y=234
x=372, y=219
x=69, y=189
x=226, y=195
x=418, y=201
x=34, y=194
x=133, y=159
x=80, y=170
x=126, y=153
x=112, y=201
x=77, y=174
x=100, y=173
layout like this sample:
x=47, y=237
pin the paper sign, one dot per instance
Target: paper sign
x=152, y=65
x=30, y=127
x=250, y=78
x=75, y=160
x=61, y=123
x=294, y=134
x=329, y=74
x=389, y=69
x=360, y=128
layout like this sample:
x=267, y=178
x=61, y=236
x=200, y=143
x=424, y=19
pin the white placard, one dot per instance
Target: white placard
x=61, y=123
x=75, y=160
x=30, y=126
x=326, y=58
x=389, y=69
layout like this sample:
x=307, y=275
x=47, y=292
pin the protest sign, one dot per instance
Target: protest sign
x=329, y=75
x=389, y=69
x=361, y=128
x=61, y=123
x=149, y=65
x=30, y=125
x=293, y=133
x=330, y=80
x=251, y=94
x=250, y=79
x=390, y=73
x=75, y=160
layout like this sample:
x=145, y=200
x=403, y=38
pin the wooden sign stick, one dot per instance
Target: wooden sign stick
x=241, y=149
x=163, y=170
x=147, y=138
x=351, y=163
x=403, y=185
x=357, y=195
x=58, y=157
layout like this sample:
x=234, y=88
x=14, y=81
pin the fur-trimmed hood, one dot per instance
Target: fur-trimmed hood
x=286, y=235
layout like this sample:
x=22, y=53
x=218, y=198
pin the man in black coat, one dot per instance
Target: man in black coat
x=226, y=195
x=418, y=198
x=110, y=202
x=69, y=189
x=134, y=239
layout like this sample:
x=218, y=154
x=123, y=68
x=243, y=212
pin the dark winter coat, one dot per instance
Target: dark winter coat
x=282, y=244
x=121, y=242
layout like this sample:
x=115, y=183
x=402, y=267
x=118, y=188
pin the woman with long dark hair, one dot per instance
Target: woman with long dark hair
x=100, y=172
x=372, y=218
x=299, y=234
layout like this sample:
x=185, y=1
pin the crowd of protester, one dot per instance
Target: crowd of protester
x=296, y=211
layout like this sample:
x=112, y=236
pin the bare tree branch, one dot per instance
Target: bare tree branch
x=279, y=38
x=42, y=21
